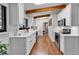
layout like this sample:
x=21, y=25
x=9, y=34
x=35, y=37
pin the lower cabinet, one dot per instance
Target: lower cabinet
x=69, y=45
x=30, y=43
x=22, y=45
x=62, y=44
x=17, y=46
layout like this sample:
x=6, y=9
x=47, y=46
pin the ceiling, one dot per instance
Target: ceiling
x=31, y=6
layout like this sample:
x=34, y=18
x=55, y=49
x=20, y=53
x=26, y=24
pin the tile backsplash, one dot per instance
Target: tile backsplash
x=75, y=30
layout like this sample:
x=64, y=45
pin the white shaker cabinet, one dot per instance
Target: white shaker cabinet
x=69, y=45
x=70, y=13
x=16, y=12
x=21, y=13
x=65, y=13
x=17, y=46
x=22, y=45
x=31, y=40
x=75, y=14
x=62, y=43
x=13, y=14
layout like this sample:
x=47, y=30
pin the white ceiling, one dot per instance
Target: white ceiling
x=29, y=6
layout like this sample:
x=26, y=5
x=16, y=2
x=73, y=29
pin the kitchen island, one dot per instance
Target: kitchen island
x=22, y=43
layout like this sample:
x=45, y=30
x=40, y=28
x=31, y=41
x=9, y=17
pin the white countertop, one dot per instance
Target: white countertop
x=76, y=34
x=3, y=33
x=74, y=31
x=72, y=34
x=22, y=34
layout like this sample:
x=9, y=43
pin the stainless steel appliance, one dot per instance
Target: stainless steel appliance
x=62, y=22
x=66, y=31
x=57, y=40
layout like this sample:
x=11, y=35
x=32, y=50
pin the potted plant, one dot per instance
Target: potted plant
x=3, y=49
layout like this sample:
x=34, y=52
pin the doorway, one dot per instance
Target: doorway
x=45, y=28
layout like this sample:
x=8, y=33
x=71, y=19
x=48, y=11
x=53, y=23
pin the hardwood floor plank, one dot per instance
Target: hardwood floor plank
x=44, y=46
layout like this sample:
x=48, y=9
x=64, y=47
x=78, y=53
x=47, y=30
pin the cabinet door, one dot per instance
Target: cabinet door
x=17, y=46
x=74, y=14
x=71, y=45
x=62, y=43
x=13, y=14
x=78, y=46
x=21, y=13
x=68, y=15
x=28, y=45
x=32, y=41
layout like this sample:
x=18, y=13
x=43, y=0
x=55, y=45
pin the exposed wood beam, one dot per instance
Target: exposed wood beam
x=46, y=9
x=42, y=16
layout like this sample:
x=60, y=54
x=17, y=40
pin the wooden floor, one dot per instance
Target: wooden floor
x=44, y=46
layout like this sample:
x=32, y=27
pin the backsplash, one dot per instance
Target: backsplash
x=74, y=30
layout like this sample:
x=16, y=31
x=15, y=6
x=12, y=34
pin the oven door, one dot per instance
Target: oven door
x=57, y=40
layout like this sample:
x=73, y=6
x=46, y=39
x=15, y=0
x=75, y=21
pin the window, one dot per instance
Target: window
x=2, y=18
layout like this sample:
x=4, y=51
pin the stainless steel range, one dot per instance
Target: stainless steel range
x=57, y=39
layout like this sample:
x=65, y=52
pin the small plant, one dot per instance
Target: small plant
x=3, y=48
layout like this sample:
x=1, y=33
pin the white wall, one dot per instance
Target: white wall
x=54, y=21
x=31, y=20
x=52, y=29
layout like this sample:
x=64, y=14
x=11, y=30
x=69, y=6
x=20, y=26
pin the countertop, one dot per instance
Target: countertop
x=74, y=31
x=22, y=34
x=72, y=34
x=76, y=34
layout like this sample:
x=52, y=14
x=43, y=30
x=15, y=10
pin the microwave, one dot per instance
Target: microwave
x=62, y=22
x=66, y=31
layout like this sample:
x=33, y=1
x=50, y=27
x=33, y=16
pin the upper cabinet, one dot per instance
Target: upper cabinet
x=21, y=13
x=70, y=13
x=65, y=13
x=75, y=14
x=13, y=14
x=16, y=14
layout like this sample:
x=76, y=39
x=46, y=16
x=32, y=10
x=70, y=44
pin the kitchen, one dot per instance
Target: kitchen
x=67, y=33
x=23, y=29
